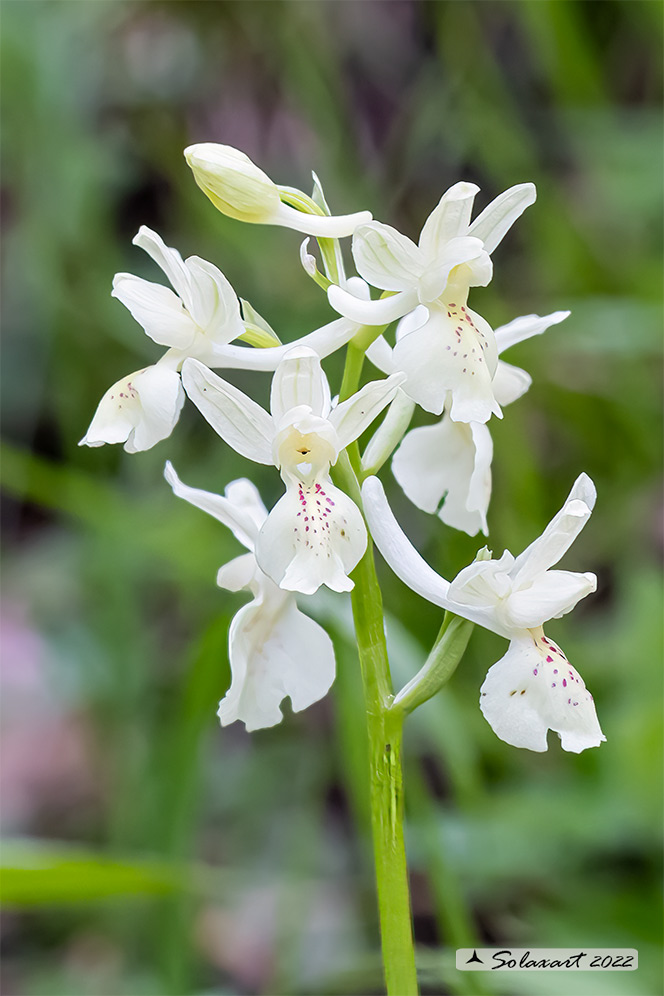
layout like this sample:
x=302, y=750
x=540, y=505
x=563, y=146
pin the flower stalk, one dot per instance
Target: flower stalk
x=384, y=729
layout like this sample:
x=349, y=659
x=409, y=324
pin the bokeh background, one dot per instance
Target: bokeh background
x=147, y=851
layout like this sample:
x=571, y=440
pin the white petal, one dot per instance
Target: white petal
x=453, y=254
x=314, y=535
x=325, y=226
x=550, y=596
x=239, y=421
x=139, y=410
x=526, y=327
x=509, y=383
x=419, y=469
x=273, y=656
x=386, y=258
x=497, y=218
x=215, y=306
x=454, y=351
x=559, y=535
x=156, y=309
x=170, y=261
x=380, y=354
x=534, y=688
x=244, y=495
x=242, y=510
x=353, y=416
x=381, y=312
x=239, y=574
x=414, y=320
x=323, y=341
x=299, y=380
x=434, y=459
x=452, y=459
x=449, y=218
x=478, y=272
x=484, y=583
x=479, y=490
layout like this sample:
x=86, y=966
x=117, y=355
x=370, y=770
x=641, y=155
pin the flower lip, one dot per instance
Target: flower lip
x=534, y=688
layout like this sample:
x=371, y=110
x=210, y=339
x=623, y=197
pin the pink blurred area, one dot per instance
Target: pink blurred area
x=45, y=744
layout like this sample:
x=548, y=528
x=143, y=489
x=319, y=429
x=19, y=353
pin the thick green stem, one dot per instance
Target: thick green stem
x=384, y=729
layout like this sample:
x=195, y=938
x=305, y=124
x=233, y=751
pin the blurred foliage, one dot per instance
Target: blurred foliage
x=225, y=863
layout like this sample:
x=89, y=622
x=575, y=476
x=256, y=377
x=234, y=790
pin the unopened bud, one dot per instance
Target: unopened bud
x=239, y=189
x=235, y=185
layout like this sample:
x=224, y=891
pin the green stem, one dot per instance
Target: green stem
x=352, y=371
x=384, y=728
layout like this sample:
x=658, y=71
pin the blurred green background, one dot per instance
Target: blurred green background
x=146, y=850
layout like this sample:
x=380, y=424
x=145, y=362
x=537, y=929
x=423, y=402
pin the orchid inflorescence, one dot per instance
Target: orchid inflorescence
x=445, y=358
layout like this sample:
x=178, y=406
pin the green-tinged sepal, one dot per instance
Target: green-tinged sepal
x=257, y=332
x=440, y=665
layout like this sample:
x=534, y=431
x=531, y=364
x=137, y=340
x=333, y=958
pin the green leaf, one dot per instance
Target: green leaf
x=38, y=873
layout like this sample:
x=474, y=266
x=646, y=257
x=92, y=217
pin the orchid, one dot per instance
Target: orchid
x=200, y=312
x=450, y=462
x=274, y=649
x=446, y=359
x=315, y=534
x=514, y=597
x=448, y=348
x=198, y=318
x=240, y=189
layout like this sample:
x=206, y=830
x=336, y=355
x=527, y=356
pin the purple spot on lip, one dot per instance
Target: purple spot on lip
x=555, y=670
x=553, y=684
x=564, y=682
x=549, y=660
x=534, y=670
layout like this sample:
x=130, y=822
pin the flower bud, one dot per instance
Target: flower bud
x=235, y=185
x=239, y=189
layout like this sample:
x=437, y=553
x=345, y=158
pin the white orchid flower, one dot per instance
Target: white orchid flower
x=239, y=189
x=533, y=688
x=274, y=649
x=449, y=348
x=198, y=318
x=200, y=312
x=450, y=462
x=315, y=534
